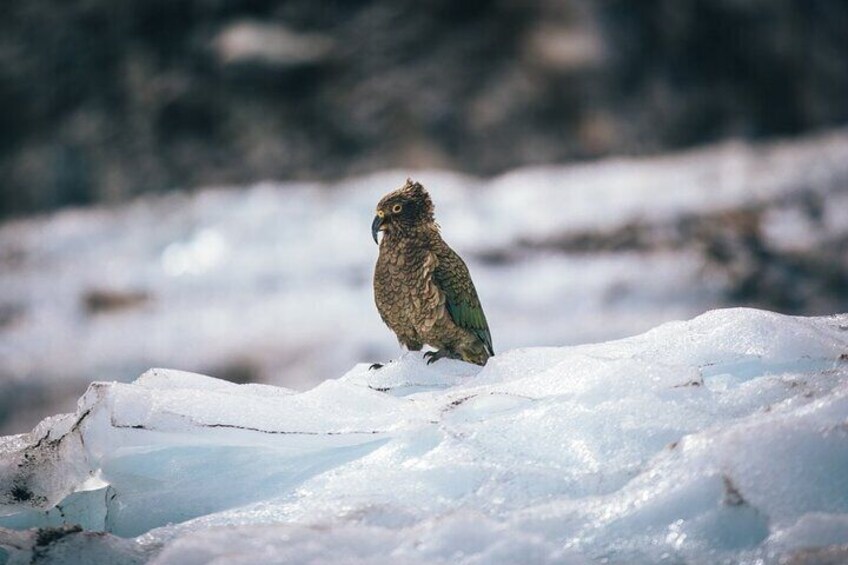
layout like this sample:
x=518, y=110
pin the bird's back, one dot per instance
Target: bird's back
x=463, y=304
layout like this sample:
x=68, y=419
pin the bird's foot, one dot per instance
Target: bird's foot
x=433, y=356
x=375, y=366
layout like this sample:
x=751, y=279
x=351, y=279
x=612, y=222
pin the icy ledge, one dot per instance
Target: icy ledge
x=721, y=438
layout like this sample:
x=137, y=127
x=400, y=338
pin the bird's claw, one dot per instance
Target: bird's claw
x=433, y=356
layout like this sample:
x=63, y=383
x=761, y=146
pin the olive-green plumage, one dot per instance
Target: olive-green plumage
x=422, y=288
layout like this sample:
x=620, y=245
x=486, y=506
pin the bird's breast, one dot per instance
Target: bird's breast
x=401, y=279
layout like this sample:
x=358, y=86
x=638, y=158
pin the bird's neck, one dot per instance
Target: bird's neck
x=420, y=233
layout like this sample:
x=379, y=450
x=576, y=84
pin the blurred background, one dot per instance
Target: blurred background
x=190, y=183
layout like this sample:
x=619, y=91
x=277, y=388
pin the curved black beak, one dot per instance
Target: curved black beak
x=375, y=227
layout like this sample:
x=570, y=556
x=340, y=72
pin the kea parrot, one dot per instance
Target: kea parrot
x=422, y=288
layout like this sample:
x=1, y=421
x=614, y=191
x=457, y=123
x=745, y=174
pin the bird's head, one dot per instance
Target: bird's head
x=403, y=210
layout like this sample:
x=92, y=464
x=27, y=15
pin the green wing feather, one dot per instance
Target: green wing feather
x=461, y=299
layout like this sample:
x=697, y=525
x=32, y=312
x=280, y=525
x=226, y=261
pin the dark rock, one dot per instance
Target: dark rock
x=109, y=300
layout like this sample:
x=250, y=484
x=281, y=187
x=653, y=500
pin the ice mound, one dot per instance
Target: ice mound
x=721, y=438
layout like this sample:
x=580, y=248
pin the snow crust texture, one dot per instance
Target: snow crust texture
x=720, y=439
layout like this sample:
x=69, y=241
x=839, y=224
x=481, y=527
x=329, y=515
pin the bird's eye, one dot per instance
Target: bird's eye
x=396, y=208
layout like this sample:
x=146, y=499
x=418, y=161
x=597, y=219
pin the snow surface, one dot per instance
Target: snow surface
x=263, y=280
x=723, y=438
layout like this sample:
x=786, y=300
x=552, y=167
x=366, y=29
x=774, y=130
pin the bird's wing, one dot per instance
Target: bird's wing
x=452, y=277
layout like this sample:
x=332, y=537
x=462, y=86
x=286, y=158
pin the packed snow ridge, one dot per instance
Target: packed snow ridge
x=723, y=438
